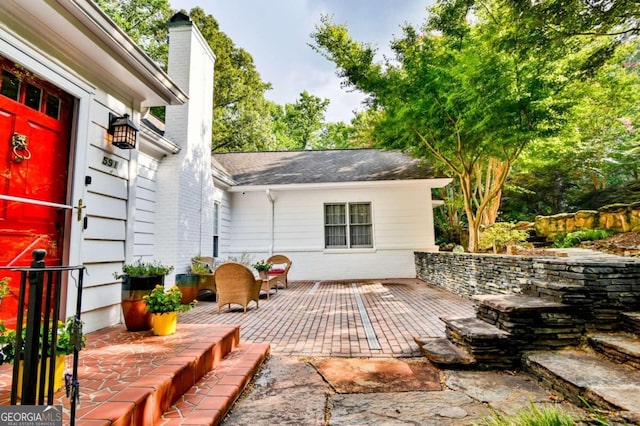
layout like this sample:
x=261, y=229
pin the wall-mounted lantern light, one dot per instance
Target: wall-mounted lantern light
x=123, y=130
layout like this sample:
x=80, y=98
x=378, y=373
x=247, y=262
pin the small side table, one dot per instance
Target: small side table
x=271, y=281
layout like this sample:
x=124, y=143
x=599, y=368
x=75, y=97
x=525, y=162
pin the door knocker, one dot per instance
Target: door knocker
x=20, y=150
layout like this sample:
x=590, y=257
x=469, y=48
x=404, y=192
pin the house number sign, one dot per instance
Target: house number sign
x=109, y=162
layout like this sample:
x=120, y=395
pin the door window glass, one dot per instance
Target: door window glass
x=10, y=85
x=33, y=97
x=52, y=108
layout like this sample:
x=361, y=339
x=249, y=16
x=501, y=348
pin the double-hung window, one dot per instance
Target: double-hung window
x=348, y=225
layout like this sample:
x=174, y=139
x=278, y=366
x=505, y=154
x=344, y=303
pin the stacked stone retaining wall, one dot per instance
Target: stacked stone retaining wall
x=606, y=287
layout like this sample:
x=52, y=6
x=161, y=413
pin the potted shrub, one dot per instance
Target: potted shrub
x=164, y=306
x=138, y=279
x=262, y=267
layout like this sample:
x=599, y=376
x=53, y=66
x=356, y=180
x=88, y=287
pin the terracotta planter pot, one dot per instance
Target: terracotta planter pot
x=134, y=310
x=165, y=323
x=188, y=285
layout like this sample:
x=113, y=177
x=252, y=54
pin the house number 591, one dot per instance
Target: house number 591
x=109, y=162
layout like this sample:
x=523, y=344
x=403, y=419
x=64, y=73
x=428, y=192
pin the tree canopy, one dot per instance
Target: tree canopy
x=464, y=92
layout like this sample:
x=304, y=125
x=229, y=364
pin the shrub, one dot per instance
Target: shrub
x=572, y=239
x=500, y=235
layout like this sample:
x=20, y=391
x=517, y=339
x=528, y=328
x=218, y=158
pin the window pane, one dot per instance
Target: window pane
x=33, y=97
x=52, y=108
x=334, y=214
x=335, y=230
x=10, y=86
x=361, y=236
x=216, y=217
x=335, y=236
x=359, y=213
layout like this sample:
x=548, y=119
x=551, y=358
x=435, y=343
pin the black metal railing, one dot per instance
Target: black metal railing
x=36, y=336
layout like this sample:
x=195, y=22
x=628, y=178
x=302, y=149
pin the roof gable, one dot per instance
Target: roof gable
x=321, y=166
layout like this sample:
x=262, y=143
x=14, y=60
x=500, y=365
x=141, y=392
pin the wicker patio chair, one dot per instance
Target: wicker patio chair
x=281, y=266
x=235, y=283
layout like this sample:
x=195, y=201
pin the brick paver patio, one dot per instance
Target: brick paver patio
x=327, y=319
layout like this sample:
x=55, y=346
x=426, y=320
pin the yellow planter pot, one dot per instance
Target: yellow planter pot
x=59, y=375
x=164, y=324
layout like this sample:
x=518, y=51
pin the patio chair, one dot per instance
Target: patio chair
x=281, y=266
x=235, y=283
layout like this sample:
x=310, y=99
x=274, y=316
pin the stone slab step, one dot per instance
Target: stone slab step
x=631, y=322
x=579, y=374
x=515, y=302
x=472, y=328
x=623, y=348
x=211, y=398
x=570, y=293
x=443, y=352
x=490, y=346
x=535, y=322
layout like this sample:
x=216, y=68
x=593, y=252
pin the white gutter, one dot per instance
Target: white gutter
x=273, y=219
x=152, y=141
x=90, y=14
x=433, y=183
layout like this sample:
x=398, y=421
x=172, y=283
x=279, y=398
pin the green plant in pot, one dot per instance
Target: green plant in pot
x=138, y=279
x=69, y=338
x=262, y=267
x=164, y=306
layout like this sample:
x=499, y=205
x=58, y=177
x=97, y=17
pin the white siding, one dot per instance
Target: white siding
x=145, y=212
x=105, y=237
x=402, y=223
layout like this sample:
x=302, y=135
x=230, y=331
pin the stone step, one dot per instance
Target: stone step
x=569, y=293
x=623, y=348
x=211, y=398
x=534, y=322
x=443, y=353
x=490, y=346
x=631, y=322
x=578, y=375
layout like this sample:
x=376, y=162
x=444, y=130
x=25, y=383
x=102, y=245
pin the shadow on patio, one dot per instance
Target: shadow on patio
x=359, y=319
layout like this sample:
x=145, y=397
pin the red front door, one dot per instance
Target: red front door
x=34, y=164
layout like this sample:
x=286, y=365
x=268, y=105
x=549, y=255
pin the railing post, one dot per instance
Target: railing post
x=30, y=378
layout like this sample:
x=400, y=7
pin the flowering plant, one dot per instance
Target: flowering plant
x=262, y=265
x=69, y=337
x=161, y=301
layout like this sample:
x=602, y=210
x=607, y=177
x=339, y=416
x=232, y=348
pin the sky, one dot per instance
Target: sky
x=277, y=33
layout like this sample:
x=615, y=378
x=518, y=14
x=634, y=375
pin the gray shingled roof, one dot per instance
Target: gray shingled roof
x=350, y=165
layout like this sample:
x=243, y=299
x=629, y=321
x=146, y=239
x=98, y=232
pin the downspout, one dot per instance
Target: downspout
x=273, y=220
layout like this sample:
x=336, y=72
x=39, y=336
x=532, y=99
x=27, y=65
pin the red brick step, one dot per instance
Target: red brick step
x=211, y=398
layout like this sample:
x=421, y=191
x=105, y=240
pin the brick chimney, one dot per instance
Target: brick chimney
x=184, y=206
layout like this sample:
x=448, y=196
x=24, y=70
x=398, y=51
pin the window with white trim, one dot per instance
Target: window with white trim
x=216, y=226
x=348, y=225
